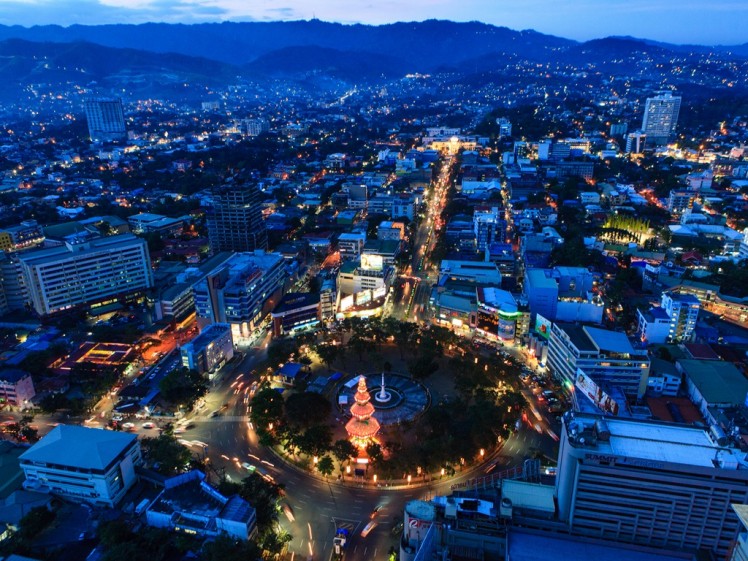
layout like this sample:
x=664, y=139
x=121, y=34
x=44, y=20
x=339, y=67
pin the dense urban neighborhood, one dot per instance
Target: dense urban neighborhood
x=335, y=306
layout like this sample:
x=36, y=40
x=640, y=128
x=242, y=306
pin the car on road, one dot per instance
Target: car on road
x=368, y=528
x=375, y=512
x=148, y=425
x=289, y=513
x=248, y=466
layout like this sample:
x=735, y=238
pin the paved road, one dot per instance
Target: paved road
x=318, y=506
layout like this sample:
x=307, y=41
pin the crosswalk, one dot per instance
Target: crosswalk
x=347, y=524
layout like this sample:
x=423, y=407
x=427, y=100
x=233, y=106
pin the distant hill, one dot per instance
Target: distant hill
x=426, y=44
x=345, y=65
x=24, y=62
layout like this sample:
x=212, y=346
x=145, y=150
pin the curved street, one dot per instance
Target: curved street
x=319, y=506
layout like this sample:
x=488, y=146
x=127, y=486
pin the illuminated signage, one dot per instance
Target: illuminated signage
x=542, y=327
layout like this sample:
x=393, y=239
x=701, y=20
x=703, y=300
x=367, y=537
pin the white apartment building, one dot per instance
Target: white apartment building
x=607, y=357
x=86, y=272
x=683, y=311
x=83, y=464
x=16, y=388
x=350, y=244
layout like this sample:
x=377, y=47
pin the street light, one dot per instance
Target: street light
x=316, y=459
x=409, y=480
x=482, y=452
x=375, y=478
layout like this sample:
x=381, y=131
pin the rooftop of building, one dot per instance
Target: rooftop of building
x=634, y=441
x=718, y=381
x=12, y=375
x=538, y=278
x=81, y=447
x=497, y=299
x=352, y=236
x=684, y=298
x=208, y=335
x=528, y=545
x=656, y=313
x=386, y=247
x=92, y=245
x=11, y=474
x=578, y=336
x=146, y=217
x=610, y=341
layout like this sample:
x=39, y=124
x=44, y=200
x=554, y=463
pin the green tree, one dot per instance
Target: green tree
x=327, y=353
x=316, y=440
x=225, y=547
x=343, y=450
x=183, y=387
x=167, y=453
x=306, y=409
x=325, y=465
x=34, y=523
x=261, y=494
x=267, y=408
x=374, y=451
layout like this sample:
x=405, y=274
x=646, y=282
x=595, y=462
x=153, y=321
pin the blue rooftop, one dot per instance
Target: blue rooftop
x=290, y=370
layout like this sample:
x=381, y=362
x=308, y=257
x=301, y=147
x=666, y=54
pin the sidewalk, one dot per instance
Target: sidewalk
x=417, y=481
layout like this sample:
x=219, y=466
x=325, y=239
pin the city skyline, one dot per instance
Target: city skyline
x=689, y=23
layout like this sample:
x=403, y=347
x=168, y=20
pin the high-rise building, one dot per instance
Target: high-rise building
x=235, y=220
x=106, y=119
x=488, y=227
x=683, y=311
x=650, y=483
x=661, y=116
x=241, y=291
x=86, y=272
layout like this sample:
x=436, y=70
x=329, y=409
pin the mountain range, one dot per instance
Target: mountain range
x=215, y=53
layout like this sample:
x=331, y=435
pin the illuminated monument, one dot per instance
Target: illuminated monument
x=362, y=427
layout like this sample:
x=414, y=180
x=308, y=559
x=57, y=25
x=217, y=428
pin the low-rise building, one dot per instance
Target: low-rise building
x=713, y=384
x=296, y=310
x=653, y=326
x=206, y=352
x=188, y=504
x=16, y=388
x=147, y=222
x=350, y=245
x=83, y=464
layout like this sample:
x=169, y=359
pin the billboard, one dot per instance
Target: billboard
x=488, y=322
x=346, y=303
x=372, y=262
x=507, y=328
x=363, y=297
x=601, y=400
x=542, y=327
x=379, y=292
